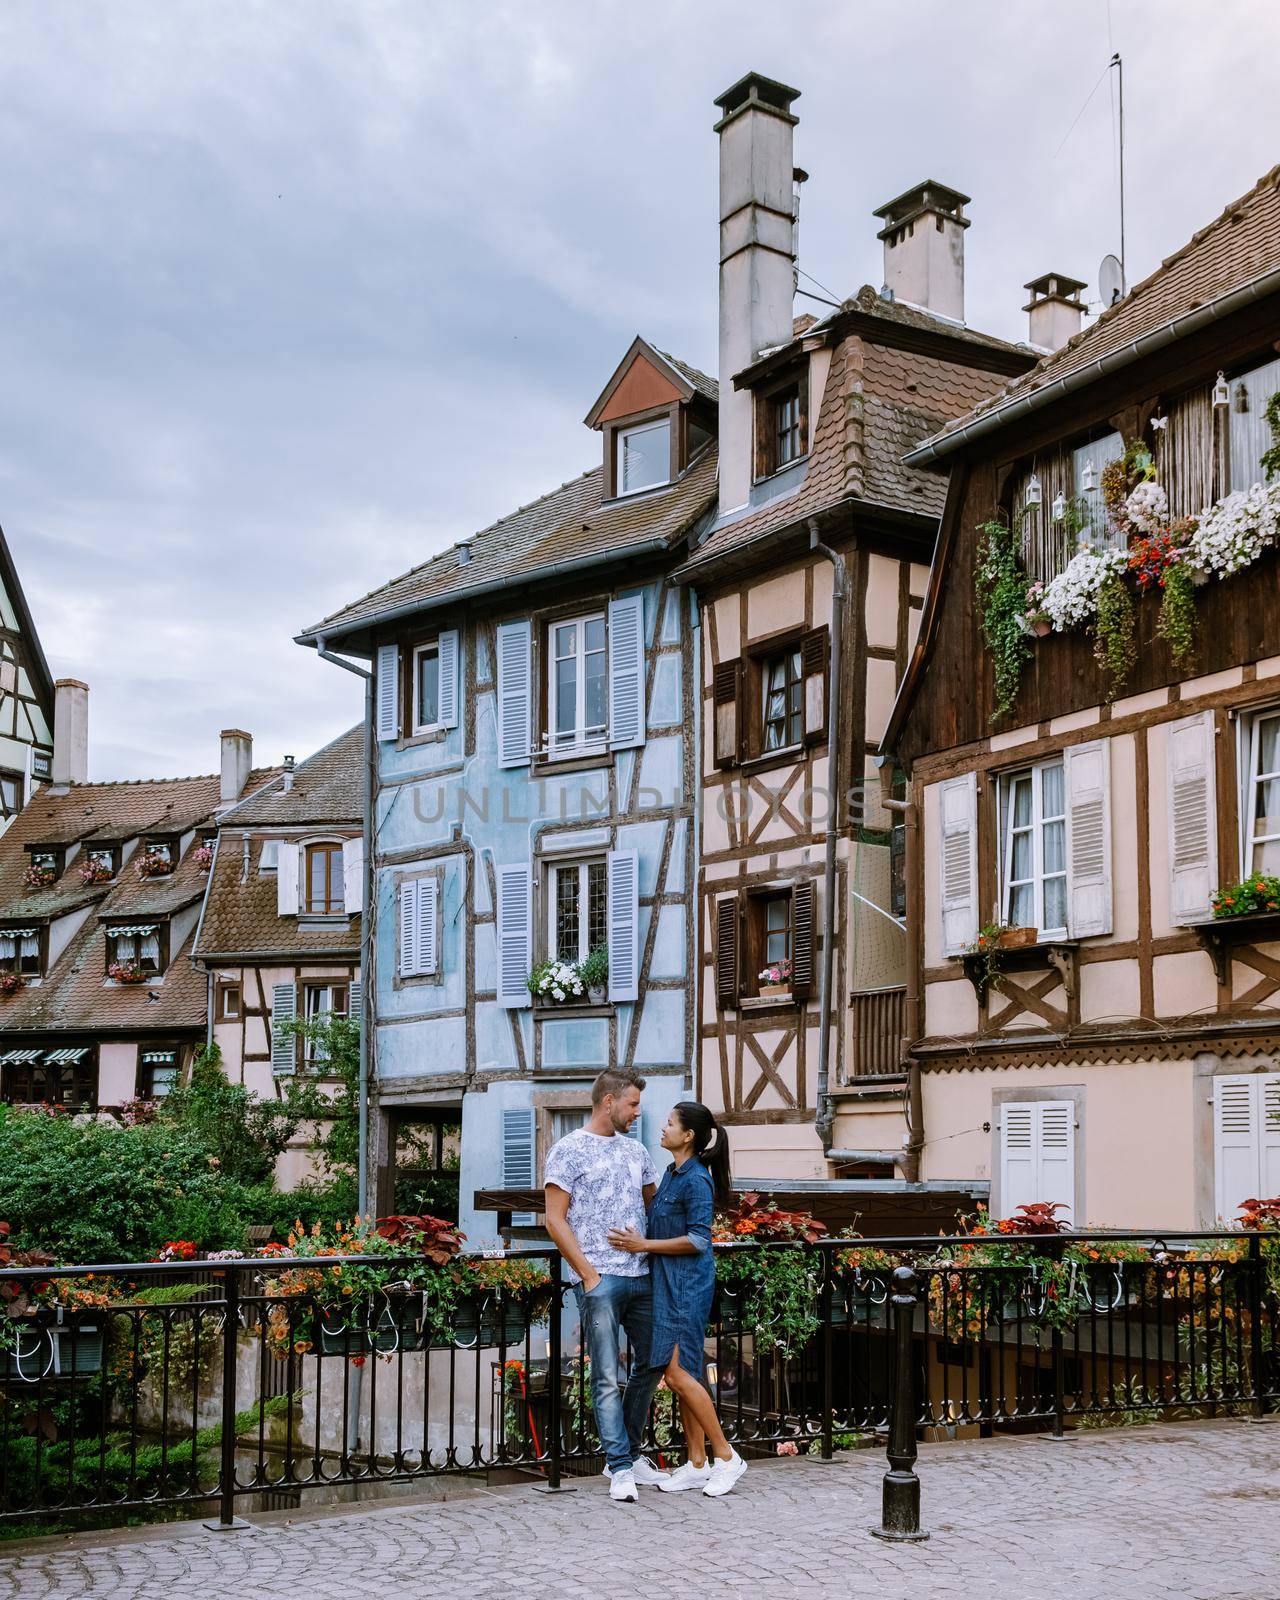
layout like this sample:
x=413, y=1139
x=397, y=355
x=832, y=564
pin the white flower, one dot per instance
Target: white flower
x=1233, y=533
x=1147, y=508
x=1071, y=598
x=557, y=994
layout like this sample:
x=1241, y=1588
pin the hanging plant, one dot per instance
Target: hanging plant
x=1115, y=485
x=1177, y=623
x=1270, y=461
x=1001, y=586
x=1115, y=648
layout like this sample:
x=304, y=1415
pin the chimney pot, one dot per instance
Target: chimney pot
x=464, y=551
x=1055, y=309
x=70, y=732
x=923, y=238
x=237, y=762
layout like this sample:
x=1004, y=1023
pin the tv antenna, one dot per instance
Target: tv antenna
x=1111, y=284
x=1118, y=64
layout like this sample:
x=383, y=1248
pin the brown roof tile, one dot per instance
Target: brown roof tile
x=241, y=919
x=327, y=787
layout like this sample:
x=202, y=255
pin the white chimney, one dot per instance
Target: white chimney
x=70, y=732
x=1055, y=310
x=237, y=762
x=923, y=237
x=757, y=221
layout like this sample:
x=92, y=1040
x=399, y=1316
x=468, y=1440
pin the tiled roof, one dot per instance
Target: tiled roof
x=879, y=400
x=570, y=524
x=240, y=917
x=708, y=387
x=327, y=787
x=74, y=995
x=1238, y=246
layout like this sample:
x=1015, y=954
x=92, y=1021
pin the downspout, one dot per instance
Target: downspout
x=366, y=925
x=824, y=1116
x=912, y=1029
x=195, y=944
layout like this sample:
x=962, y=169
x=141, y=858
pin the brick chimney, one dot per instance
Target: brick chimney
x=757, y=260
x=237, y=762
x=70, y=732
x=923, y=237
x=1055, y=309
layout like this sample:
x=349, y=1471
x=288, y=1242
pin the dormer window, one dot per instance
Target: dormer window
x=786, y=426
x=782, y=424
x=45, y=868
x=21, y=951
x=324, y=895
x=136, y=951
x=644, y=456
x=100, y=864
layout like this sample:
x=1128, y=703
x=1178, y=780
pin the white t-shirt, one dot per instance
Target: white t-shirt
x=604, y=1176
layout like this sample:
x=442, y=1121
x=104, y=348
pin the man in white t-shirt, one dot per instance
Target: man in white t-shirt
x=598, y=1179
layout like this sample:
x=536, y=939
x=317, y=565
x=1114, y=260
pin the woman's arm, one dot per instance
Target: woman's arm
x=635, y=1244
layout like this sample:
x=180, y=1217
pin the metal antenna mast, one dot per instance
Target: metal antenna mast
x=1119, y=66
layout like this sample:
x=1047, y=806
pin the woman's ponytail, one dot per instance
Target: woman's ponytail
x=710, y=1145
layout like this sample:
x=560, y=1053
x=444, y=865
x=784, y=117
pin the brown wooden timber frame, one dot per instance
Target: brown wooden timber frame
x=758, y=1048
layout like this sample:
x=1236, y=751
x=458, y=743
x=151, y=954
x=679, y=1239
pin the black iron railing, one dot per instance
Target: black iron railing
x=213, y=1391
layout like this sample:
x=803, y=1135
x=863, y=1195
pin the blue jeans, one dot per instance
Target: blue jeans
x=619, y=1305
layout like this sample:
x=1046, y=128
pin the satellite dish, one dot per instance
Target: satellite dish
x=1111, y=280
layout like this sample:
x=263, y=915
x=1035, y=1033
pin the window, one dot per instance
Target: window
x=781, y=700
x=579, y=683
x=774, y=928
x=270, y=856
x=138, y=946
x=162, y=849
x=1250, y=433
x=1033, y=848
x=324, y=888
x=578, y=905
x=321, y=1001
x=773, y=937
x=67, y=1077
x=47, y=863
x=426, y=687
x=785, y=427
x=12, y=785
x=100, y=861
x=21, y=951
x=157, y=1073
x=1261, y=808
x=644, y=456
x=229, y=1002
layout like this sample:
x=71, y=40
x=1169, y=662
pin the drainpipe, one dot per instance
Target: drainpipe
x=824, y=1117
x=366, y=926
x=195, y=945
x=911, y=1001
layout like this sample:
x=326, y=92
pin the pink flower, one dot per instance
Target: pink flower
x=788, y=1447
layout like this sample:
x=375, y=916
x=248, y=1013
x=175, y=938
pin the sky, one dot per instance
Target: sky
x=295, y=293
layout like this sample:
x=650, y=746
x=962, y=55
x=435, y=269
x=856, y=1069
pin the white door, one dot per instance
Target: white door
x=1038, y=1155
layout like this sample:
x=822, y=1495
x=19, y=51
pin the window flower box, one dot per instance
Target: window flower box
x=774, y=981
x=127, y=972
x=202, y=855
x=10, y=983
x=39, y=877
x=154, y=864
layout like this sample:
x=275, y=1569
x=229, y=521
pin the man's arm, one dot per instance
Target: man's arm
x=649, y=1190
x=566, y=1240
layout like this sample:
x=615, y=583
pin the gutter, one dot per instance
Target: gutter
x=1022, y=405
x=912, y=1028
x=412, y=608
x=824, y=1113
x=195, y=945
x=366, y=925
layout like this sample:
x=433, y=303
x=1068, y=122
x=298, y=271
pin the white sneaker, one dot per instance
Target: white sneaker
x=724, y=1474
x=622, y=1486
x=647, y=1475
x=686, y=1477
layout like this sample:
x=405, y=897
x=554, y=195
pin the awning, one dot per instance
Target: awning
x=11, y=1057
x=67, y=1056
x=166, y=1057
x=131, y=930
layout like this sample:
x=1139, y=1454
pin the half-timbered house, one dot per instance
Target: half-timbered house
x=1123, y=1062
x=26, y=697
x=532, y=804
x=809, y=583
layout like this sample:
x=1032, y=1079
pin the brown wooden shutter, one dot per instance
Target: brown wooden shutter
x=814, y=651
x=802, y=941
x=727, y=704
x=727, y=951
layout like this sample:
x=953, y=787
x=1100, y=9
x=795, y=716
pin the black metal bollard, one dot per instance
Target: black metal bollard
x=900, y=1514
x=227, y=1519
x=555, y=1362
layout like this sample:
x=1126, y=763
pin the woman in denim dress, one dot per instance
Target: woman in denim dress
x=683, y=1273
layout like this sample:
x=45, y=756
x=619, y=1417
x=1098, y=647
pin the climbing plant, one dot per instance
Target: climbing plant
x=1001, y=585
x=1115, y=648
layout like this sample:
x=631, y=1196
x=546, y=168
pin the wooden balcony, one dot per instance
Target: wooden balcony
x=878, y=1021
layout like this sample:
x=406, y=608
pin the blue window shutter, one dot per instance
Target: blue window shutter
x=518, y=1157
x=624, y=925
x=284, y=1046
x=515, y=936
x=447, y=645
x=515, y=693
x=626, y=672
x=388, y=691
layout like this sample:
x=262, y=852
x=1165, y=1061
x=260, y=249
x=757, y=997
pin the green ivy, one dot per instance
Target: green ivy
x=1270, y=462
x=1001, y=585
x=1115, y=647
x=1178, y=624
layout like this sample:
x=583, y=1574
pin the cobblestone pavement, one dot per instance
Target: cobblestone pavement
x=1130, y=1514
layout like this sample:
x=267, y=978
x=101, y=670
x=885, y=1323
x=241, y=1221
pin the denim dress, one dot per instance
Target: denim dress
x=682, y=1285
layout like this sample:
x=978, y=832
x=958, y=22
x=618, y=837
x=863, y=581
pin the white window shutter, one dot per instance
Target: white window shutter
x=1193, y=835
x=958, y=874
x=515, y=936
x=287, y=878
x=353, y=876
x=624, y=924
x=284, y=1046
x=1057, y=1139
x=409, y=929
x=626, y=672
x=515, y=693
x=518, y=1157
x=355, y=1002
x=388, y=691
x=1037, y=1155
x=428, y=925
x=1236, y=1102
x=447, y=644
x=1089, y=838
x=1017, y=1157
x=1269, y=1151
